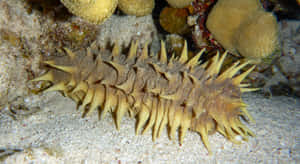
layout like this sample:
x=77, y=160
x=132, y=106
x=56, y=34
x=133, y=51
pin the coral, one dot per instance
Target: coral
x=174, y=20
x=243, y=27
x=95, y=11
x=179, y=3
x=136, y=7
x=177, y=92
x=257, y=36
x=226, y=17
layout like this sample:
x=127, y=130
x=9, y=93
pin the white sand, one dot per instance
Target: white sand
x=58, y=134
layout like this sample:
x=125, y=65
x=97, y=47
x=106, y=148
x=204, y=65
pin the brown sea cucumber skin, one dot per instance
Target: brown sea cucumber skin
x=159, y=92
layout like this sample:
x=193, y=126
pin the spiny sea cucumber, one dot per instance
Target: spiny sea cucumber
x=160, y=92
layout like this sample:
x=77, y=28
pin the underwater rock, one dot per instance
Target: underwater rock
x=137, y=28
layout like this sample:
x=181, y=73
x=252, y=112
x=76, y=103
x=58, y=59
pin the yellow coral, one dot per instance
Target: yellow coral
x=179, y=3
x=136, y=7
x=257, y=36
x=242, y=26
x=226, y=17
x=94, y=11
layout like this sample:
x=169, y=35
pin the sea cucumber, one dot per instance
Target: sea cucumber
x=157, y=90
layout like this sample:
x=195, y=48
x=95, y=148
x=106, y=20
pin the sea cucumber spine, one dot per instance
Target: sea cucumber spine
x=176, y=92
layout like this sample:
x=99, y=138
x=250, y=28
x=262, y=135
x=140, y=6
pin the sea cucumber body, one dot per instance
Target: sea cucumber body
x=160, y=92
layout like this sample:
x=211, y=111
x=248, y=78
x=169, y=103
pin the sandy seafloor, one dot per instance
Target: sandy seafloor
x=58, y=134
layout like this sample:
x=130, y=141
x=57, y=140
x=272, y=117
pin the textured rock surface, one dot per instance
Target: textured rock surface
x=289, y=62
x=19, y=34
x=13, y=76
x=14, y=17
x=127, y=28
